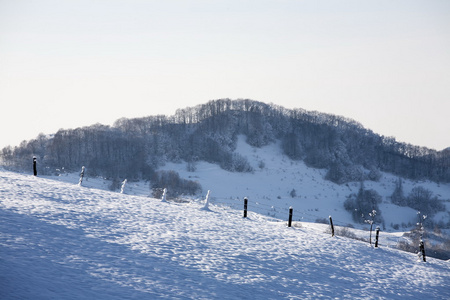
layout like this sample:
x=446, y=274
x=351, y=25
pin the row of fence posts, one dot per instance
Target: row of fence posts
x=81, y=175
x=291, y=210
x=291, y=213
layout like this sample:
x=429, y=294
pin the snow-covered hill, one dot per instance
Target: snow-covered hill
x=269, y=188
x=62, y=241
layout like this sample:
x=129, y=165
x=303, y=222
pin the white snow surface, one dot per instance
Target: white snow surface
x=59, y=240
x=268, y=189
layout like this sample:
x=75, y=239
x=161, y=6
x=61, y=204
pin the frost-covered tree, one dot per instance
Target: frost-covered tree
x=423, y=200
x=133, y=148
x=363, y=203
x=337, y=173
x=370, y=220
x=340, y=173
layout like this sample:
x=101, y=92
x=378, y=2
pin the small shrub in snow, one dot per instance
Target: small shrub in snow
x=345, y=232
x=407, y=246
x=293, y=193
x=261, y=164
x=115, y=184
x=297, y=224
x=236, y=163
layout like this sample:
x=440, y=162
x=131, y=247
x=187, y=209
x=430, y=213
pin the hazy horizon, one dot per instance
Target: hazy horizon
x=68, y=64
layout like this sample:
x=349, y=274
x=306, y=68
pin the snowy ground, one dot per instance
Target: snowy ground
x=269, y=188
x=62, y=241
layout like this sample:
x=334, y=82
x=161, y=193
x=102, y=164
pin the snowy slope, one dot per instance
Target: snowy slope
x=268, y=188
x=62, y=241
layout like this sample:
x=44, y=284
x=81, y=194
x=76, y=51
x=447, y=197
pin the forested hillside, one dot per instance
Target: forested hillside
x=135, y=148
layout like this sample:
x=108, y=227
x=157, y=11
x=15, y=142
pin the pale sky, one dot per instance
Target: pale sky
x=67, y=64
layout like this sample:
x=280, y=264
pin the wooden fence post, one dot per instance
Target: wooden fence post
x=34, y=166
x=123, y=186
x=81, y=176
x=290, y=217
x=376, y=237
x=163, y=198
x=245, y=207
x=332, y=227
x=422, y=249
x=206, y=207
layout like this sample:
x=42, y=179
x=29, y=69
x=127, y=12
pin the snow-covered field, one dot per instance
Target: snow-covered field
x=62, y=241
x=269, y=189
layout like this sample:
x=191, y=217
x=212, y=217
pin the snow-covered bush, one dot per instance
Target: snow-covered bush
x=236, y=163
x=339, y=173
x=374, y=174
x=115, y=184
x=175, y=185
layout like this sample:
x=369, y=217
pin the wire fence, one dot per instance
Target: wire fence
x=278, y=212
x=273, y=210
x=281, y=214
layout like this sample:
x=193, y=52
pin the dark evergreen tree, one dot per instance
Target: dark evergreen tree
x=398, y=196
